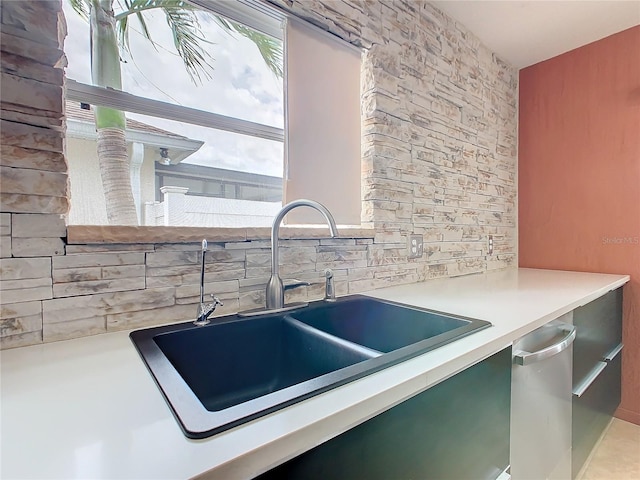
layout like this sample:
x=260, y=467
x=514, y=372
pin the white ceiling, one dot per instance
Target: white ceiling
x=528, y=32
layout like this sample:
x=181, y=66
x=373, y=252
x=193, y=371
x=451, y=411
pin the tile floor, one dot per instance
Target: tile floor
x=617, y=456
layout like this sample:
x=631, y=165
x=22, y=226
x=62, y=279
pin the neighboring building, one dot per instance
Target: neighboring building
x=160, y=183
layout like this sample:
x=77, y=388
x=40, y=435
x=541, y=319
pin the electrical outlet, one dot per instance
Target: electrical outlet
x=490, y=244
x=416, y=246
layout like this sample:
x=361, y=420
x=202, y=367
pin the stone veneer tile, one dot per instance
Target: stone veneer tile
x=82, y=274
x=251, y=299
x=14, y=310
x=98, y=259
x=115, y=247
x=38, y=225
x=17, y=319
x=157, y=316
x=265, y=272
x=43, y=96
x=5, y=224
x=52, y=332
x=214, y=276
x=59, y=310
x=32, y=116
x=297, y=255
x=20, y=325
x=28, y=49
x=258, y=258
x=26, y=294
x=17, y=65
x=5, y=246
x=21, y=268
x=26, y=203
x=73, y=289
x=21, y=340
x=15, y=156
x=168, y=258
x=36, y=247
x=248, y=245
x=187, y=291
x=228, y=300
x=28, y=136
x=223, y=269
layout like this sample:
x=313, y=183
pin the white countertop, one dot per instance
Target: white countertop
x=88, y=408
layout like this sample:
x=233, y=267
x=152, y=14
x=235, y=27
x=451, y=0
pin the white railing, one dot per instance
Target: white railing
x=180, y=209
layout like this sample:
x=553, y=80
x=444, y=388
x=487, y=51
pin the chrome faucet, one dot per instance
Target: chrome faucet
x=205, y=310
x=275, y=289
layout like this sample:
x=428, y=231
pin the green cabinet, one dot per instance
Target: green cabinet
x=454, y=430
x=597, y=365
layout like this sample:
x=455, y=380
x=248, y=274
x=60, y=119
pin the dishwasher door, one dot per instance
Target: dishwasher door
x=541, y=402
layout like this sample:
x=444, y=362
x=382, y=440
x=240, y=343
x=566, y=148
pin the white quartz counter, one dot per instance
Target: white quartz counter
x=88, y=408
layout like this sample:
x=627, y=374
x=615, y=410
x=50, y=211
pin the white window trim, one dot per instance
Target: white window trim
x=108, y=97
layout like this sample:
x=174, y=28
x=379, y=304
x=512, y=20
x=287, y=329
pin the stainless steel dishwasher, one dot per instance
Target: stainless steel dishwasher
x=541, y=402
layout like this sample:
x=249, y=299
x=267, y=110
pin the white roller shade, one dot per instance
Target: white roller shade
x=322, y=139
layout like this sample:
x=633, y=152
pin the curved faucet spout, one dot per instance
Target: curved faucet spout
x=275, y=289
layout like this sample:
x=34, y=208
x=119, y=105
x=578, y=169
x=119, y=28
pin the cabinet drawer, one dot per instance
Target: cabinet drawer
x=599, y=330
x=593, y=411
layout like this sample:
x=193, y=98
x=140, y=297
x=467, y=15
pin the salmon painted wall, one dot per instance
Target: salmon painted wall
x=579, y=175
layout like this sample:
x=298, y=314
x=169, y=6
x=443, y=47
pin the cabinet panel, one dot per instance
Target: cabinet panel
x=599, y=330
x=593, y=411
x=456, y=429
x=597, y=365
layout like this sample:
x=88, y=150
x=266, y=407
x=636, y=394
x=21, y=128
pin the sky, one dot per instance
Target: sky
x=242, y=87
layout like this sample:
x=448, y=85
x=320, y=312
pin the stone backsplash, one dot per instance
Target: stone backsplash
x=439, y=143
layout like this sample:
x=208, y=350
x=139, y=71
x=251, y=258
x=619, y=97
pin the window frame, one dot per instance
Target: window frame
x=242, y=11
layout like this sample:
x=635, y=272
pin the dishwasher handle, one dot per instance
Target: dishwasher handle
x=527, y=358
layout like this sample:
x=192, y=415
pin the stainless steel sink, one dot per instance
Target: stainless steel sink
x=221, y=375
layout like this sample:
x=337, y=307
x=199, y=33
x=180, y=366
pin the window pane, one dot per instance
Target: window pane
x=205, y=162
x=241, y=84
x=180, y=173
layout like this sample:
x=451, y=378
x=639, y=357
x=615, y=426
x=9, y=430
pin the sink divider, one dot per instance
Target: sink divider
x=341, y=342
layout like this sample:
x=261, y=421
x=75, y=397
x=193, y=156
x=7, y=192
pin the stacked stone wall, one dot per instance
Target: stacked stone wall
x=439, y=123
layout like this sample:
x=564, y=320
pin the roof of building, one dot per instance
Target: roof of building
x=75, y=111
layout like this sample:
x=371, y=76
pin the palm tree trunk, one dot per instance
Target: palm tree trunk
x=110, y=124
x=116, y=180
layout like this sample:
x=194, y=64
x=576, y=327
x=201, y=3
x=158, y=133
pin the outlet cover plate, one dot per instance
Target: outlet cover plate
x=416, y=246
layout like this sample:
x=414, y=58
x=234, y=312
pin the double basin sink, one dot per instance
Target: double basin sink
x=235, y=369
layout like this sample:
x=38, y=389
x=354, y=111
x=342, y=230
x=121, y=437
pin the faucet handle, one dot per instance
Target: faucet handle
x=293, y=283
x=205, y=310
x=216, y=301
x=329, y=286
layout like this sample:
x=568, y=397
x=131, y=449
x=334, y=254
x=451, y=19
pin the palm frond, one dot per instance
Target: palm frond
x=81, y=7
x=182, y=19
x=270, y=49
x=188, y=40
x=134, y=7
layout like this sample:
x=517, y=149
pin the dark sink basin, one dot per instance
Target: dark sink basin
x=382, y=326
x=233, y=370
x=233, y=362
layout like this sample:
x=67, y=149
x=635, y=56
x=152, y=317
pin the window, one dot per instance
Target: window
x=214, y=145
